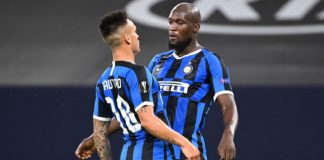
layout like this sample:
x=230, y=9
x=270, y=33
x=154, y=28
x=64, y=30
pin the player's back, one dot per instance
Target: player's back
x=123, y=89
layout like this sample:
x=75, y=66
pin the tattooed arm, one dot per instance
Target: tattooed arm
x=87, y=146
x=100, y=136
x=159, y=129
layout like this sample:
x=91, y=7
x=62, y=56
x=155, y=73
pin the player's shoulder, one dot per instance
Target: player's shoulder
x=136, y=67
x=125, y=67
x=166, y=53
x=137, y=70
x=210, y=55
x=163, y=55
x=120, y=69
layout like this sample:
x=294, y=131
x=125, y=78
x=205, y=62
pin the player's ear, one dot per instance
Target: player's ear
x=196, y=27
x=127, y=39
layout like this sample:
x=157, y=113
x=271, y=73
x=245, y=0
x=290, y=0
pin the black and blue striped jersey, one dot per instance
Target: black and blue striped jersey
x=121, y=90
x=189, y=84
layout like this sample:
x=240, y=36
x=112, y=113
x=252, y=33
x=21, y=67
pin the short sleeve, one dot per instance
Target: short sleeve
x=139, y=81
x=102, y=110
x=219, y=76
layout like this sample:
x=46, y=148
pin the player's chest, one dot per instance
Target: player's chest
x=186, y=69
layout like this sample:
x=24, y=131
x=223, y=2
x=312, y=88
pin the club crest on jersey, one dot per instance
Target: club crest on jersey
x=187, y=69
x=144, y=87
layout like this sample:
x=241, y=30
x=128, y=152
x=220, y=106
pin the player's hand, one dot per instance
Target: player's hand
x=190, y=151
x=226, y=148
x=86, y=148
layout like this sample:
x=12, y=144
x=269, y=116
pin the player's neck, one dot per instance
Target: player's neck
x=193, y=46
x=123, y=54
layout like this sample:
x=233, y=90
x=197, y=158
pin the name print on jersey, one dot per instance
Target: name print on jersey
x=111, y=83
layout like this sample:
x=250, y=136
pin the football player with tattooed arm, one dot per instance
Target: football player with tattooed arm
x=191, y=78
x=130, y=93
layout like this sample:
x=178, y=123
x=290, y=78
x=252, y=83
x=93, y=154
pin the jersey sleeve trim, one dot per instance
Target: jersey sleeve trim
x=101, y=118
x=146, y=103
x=222, y=92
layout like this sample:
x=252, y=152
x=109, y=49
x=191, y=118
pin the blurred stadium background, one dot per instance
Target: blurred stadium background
x=51, y=55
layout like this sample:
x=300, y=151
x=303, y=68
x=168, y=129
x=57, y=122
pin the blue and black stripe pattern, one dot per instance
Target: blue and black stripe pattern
x=121, y=90
x=188, y=85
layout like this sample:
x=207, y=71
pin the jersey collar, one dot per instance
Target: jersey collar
x=192, y=53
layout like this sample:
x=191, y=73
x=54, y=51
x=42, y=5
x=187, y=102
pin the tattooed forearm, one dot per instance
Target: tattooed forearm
x=100, y=136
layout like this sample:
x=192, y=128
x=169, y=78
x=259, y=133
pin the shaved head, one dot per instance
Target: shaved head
x=184, y=24
x=191, y=12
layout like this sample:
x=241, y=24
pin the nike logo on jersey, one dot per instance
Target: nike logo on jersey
x=158, y=69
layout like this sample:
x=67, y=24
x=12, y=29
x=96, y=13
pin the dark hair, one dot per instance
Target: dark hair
x=112, y=21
